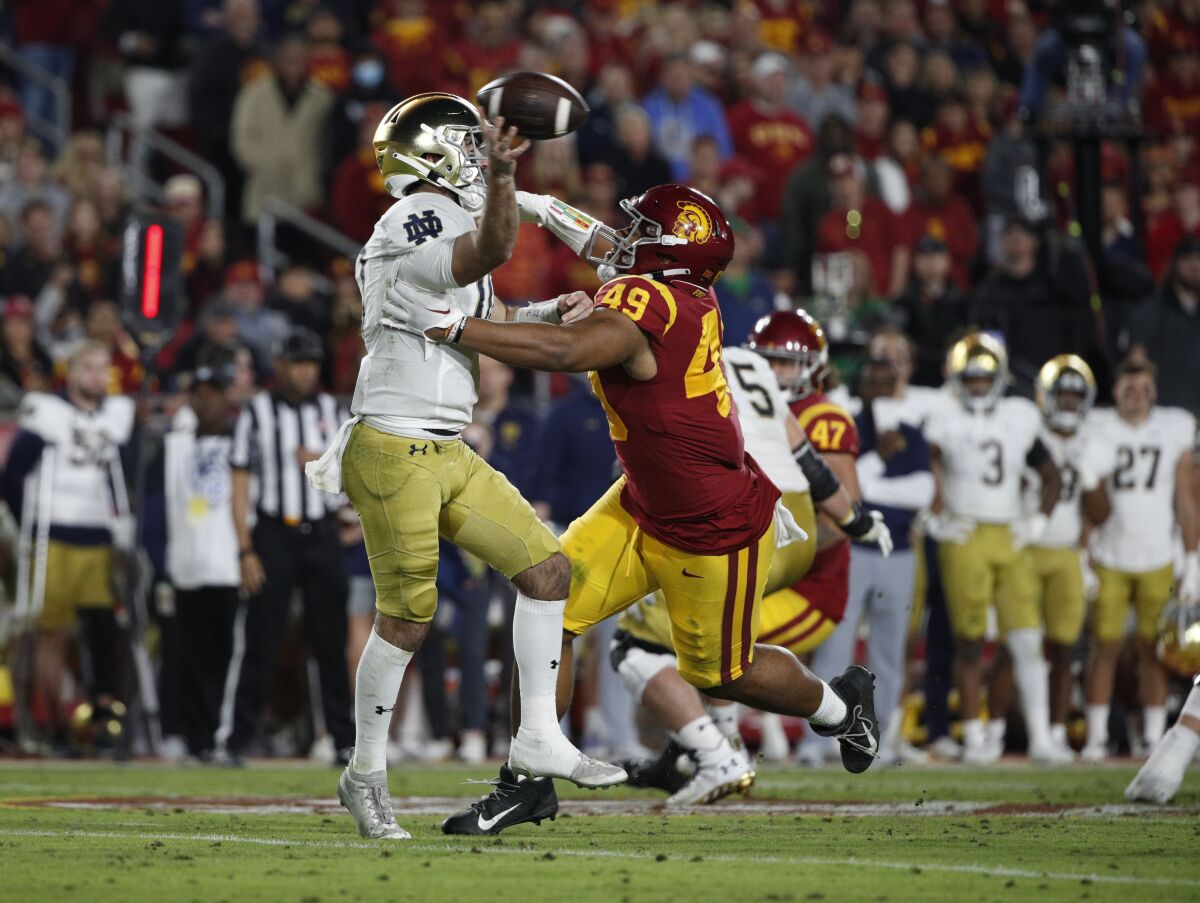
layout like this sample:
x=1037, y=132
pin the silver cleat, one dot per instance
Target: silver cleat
x=366, y=796
x=562, y=760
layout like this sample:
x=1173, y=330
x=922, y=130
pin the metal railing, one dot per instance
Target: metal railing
x=128, y=144
x=53, y=131
x=275, y=211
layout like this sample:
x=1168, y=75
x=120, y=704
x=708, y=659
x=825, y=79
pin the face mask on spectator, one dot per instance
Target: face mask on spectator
x=368, y=74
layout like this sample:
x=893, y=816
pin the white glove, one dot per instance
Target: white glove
x=1091, y=583
x=1189, y=582
x=946, y=527
x=573, y=226
x=1026, y=531
x=878, y=535
x=413, y=316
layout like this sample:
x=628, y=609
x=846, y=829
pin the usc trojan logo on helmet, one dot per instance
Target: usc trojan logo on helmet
x=693, y=224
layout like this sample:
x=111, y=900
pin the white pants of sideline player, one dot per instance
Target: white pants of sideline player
x=881, y=591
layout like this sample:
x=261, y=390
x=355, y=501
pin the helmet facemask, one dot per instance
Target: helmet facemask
x=641, y=232
x=980, y=366
x=1068, y=420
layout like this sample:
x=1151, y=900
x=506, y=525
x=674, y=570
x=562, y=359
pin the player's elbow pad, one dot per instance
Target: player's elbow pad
x=822, y=481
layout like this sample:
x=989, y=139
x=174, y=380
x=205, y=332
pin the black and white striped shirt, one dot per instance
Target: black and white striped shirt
x=268, y=435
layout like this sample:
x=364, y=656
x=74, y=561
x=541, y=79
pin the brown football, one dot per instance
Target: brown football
x=539, y=105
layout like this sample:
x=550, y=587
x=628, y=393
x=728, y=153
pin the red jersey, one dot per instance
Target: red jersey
x=872, y=230
x=831, y=430
x=775, y=143
x=953, y=224
x=690, y=482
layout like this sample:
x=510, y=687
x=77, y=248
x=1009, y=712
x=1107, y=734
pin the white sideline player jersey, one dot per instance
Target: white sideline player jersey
x=762, y=412
x=85, y=446
x=916, y=407
x=1066, y=520
x=406, y=383
x=983, y=455
x=1137, y=464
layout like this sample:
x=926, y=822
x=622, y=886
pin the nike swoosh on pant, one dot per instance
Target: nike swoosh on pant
x=686, y=574
x=486, y=824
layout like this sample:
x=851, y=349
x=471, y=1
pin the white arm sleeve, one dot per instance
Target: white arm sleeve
x=913, y=491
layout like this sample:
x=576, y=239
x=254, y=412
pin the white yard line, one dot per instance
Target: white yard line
x=961, y=869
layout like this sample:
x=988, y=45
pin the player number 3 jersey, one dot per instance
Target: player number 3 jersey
x=690, y=483
x=983, y=456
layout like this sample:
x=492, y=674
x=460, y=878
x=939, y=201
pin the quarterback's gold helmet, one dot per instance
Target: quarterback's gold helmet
x=1179, y=642
x=1065, y=373
x=977, y=356
x=442, y=126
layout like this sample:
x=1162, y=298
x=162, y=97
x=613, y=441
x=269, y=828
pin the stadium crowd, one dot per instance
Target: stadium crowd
x=876, y=158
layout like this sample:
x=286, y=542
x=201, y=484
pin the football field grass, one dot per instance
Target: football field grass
x=275, y=832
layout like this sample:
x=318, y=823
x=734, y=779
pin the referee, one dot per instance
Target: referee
x=293, y=543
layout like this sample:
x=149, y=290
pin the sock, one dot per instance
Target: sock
x=973, y=733
x=995, y=730
x=1097, y=725
x=832, y=710
x=725, y=717
x=1058, y=734
x=1154, y=723
x=703, y=738
x=380, y=673
x=1033, y=681
x=537, y=647
x=1191, y=705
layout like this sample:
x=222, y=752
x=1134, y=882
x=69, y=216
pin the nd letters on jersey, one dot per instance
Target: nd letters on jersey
x=690, y=483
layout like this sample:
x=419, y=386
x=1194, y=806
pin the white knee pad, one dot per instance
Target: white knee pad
x=638, y=667
x=1025, y=645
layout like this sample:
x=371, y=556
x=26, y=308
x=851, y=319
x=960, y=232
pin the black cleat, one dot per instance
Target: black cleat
x=662, y=773
x=513, y=802
x=858, y=735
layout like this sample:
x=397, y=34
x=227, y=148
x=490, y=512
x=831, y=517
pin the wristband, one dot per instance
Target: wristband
x=541, y=312
x=455, y=332
x=857, y=523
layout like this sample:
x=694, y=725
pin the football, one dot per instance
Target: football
x=541, y=106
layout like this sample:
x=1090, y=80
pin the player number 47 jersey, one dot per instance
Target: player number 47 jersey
x=690, y=483
x=983, y=456
x=1137, y=464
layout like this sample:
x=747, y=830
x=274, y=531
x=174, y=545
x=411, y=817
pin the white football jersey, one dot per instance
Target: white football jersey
x=762, y=412
x=85, y=445
x=406, y=383
x=1066, y=520
x=983, y=456
x=1137, y=465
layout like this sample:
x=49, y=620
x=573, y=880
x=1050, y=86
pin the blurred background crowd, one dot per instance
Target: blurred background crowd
x=885, y=163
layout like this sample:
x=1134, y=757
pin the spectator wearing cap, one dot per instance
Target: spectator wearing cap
x=933, y=308
x=767, y=134
x=201, y=553
x=258, y=326
x=24, y=364
x=1167, y=329
x=679, y=111
x=858, y=222
x=710, y=63
x=939, y=211
x=817, y=92
x=1038, y=297
x=278, y=132
x=1182, y=220
x=294, y=543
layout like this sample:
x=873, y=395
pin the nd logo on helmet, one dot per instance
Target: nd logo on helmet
x=693, y=224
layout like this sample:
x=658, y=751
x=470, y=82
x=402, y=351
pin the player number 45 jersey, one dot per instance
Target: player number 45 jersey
x=690, y=482
x=983, y=456
x=1137, y=464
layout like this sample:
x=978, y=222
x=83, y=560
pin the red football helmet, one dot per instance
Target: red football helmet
x=792, y=335
x=675, y=232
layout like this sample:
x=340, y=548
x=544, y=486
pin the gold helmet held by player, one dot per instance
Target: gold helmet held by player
x=976, y=357
x=1066, y=391
x=1179, y=641
x=442, y=126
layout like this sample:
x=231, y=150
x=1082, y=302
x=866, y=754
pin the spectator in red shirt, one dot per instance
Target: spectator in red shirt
x=414, y=45
x=90, y=250
x=1182, y=220
x=940, y=212
x=962, y=142
x=767, y=134
x=1173, y=101
x=492, y=46
x=358, y=198
x=859, y=222
x=328, y=59
x=103, y=324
